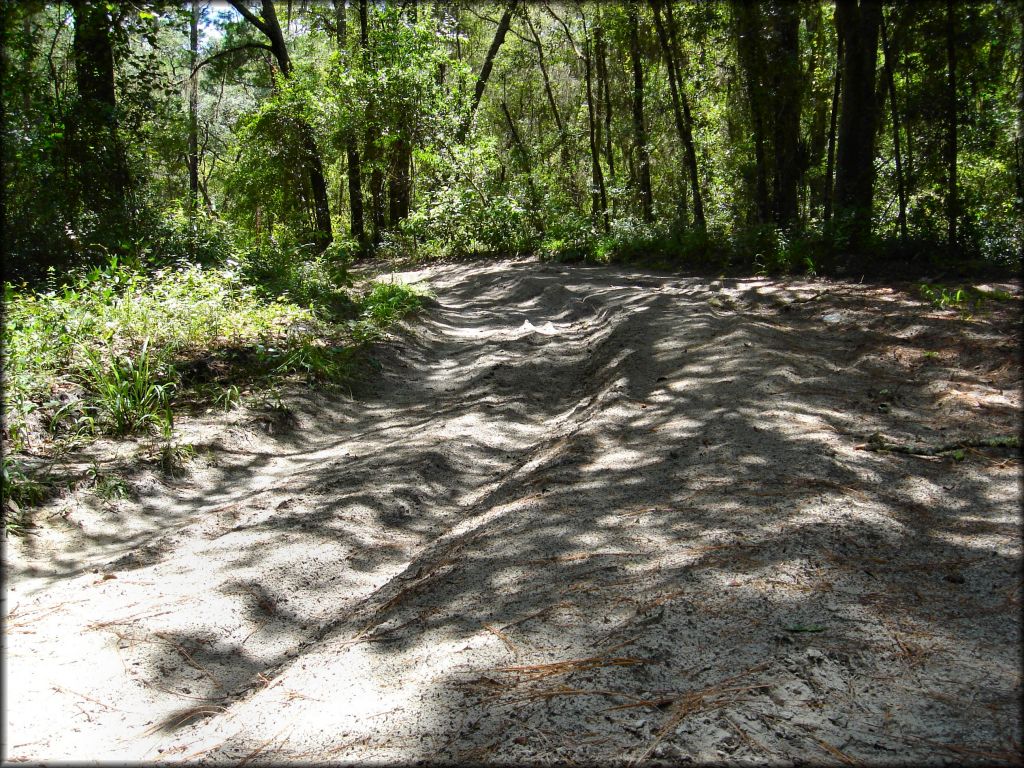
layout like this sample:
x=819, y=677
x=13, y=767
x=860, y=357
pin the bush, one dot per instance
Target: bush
x=280, y=269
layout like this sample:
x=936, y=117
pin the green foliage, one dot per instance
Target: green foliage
x=295, y=274
x=384, y=304
x=107, y=486
x=17, y=493
x=131, y=393
x=118, y=331
x=966, y=299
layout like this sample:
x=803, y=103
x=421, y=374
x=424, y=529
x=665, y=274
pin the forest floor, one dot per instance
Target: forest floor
x=579, y=515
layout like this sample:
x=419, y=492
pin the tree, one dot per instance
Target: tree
x=681, y=112
x=894, y=111
x=269, y=26
x=857, y=23
x=353, y=165
x=103, y=185
x=639, y=128
x=488, y=65
x=952, y=198
x=193, y=109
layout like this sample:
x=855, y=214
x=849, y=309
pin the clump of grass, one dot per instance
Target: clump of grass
x=108, y=487
x=129, y=392
x=383, y=305
x=17, y=493
x=966, y=299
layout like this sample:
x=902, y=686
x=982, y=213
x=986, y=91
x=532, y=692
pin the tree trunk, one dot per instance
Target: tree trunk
x=786, y=91
x=952, y=201
x=677, y=109
x=353, y=161
x=1019, y=143
x=399, y=177
x=526, y=163
x=901, y=190
x=639, y=129
x=691, y=152
x=544, y=76
x=857, y=21
x=598, y=196
x=485, y=71
x=372, y=151
x=833, y=121
x=754, y=63
x=271, y=29
x=102, y=169
x=193, y=111
x=602, y=80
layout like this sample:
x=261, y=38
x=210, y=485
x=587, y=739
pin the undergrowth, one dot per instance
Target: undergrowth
x=116, y=349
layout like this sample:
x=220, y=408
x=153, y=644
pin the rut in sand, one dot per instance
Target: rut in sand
x=581, y=514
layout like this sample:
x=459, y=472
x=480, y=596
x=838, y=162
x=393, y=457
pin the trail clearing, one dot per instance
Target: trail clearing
x=580, y=514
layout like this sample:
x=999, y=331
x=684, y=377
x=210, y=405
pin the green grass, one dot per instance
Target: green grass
x=383, y=305
x=107, y=352
x=131, y=392
x=966, y=299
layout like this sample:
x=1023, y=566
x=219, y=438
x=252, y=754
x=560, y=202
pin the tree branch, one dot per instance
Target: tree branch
x=233, y=49
x=250, y=16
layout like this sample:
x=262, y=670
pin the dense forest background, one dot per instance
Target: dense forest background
x=777, y=136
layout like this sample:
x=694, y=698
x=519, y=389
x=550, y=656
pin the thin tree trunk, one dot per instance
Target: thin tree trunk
x=193, y=111
x=372, y=153
x=598, y=196
x=833, y=121
x=536, y=205
x=952, y=202
x=755, y=66
x=785, y=74
x=102, y=169
x=485, y=71
x=271, y=29
x=639, y=129
x=691, y=151
x=677, y=109
x=1019, y=143
x=354, y=165
x=901, y=190
x=602, y=79
x=547, y=81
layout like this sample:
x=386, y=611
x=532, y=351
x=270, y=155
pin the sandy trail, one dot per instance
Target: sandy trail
x=582, y=514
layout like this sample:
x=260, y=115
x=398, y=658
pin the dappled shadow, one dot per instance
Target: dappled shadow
x=585, y=463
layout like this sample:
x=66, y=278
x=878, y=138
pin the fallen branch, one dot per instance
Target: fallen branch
x=878, y=442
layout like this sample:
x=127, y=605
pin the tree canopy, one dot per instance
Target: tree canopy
x=772, y=136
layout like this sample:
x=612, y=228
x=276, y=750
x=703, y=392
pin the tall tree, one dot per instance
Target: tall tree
x=787, y=89
x=857, y=23
x=604, y=87
x=372, y=150
x=837, y=86
x=952, y=200
x=598, y=195
x=353, y=161
x=193, y=109
x=639, y=128
x=753, y=61
x=894, y=111
x=270, y=27
x=680, y=111
x=103, y=178
x=485, y=70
